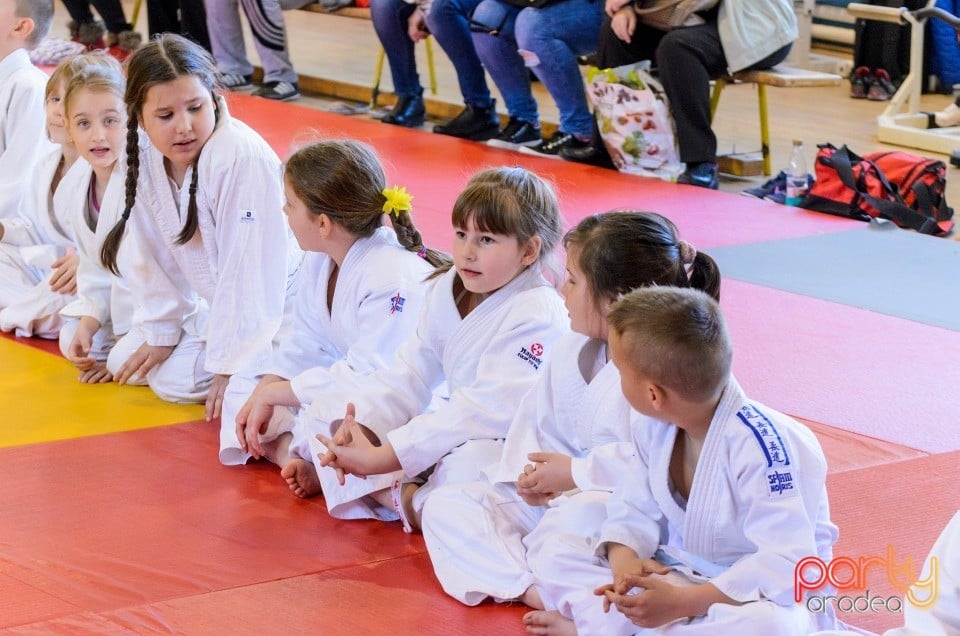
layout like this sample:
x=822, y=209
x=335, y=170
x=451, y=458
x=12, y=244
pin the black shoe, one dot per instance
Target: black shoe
x=408, y=111
x=593, y=153
x=517, y=133
x=477, y=123
x=703, y=175
x=278, y=91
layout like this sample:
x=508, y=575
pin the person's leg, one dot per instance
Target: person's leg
x=498, y=52
x=549, y=40
x=112, y=13
x=226, y=40
x=449, y=22
x=390, y=24
x=687, y=60
x=193, y=22
x=162, y=17
x=270, y=38
x=79, y=11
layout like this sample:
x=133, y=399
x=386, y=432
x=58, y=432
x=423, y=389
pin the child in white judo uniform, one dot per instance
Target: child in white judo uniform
x=488, y=326
x=22, y=25
x=570, y=438
x=204, y=203
x=725, y=498
x=91, y=197
x=359, y=295
x=38, y=265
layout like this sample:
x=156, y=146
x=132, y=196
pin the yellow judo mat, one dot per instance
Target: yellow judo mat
x=42, y=401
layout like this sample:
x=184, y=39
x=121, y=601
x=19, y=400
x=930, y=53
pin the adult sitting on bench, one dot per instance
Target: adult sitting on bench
x=399, y=25
x=736, y=36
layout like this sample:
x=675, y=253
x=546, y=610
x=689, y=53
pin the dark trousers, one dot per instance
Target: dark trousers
x=186, y=17
x=686, y=60
x=109, y=10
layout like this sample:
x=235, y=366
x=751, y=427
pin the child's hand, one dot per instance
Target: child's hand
x=626, y=572
x=623, y=23
x=357, y=456
x=532, y=498
x=63, y=279
x=142, y=360
x=550, y=473
x=658, y=603
x=96, y=373
x=417, y=26
x=79, y=350
x=215, y=395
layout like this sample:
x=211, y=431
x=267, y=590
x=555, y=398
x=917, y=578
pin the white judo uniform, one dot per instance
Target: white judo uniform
x=379, y=294
x=32, y=241
x=477, y=533
x=757, y=506
x=219, y=299
x=22, y=126
x=489, y=360
x=100, y=294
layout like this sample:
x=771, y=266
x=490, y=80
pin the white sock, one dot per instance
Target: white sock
x=949, y=116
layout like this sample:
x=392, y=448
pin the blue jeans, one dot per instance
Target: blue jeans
x=448, y=22
x=547, y=40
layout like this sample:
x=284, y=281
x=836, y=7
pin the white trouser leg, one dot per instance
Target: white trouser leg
x=238, y=391
x=37, y=313
x=179, y=378
x=103, y=340
x=463, y=464
x=474, y=534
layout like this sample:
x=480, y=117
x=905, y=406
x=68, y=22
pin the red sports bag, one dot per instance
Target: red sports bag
x=899, y=186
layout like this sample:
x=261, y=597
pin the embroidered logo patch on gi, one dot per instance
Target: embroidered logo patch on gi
x=532, y=355
x=246, y=216
x=396, y=304
x=780, y=481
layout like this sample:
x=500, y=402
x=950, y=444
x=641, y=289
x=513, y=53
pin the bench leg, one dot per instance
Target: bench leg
x=377, y=74
x=431, y=67
x=764, y=129
x=715, y=96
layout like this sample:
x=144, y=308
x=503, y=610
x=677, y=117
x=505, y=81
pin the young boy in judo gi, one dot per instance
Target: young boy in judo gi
x=725, y=498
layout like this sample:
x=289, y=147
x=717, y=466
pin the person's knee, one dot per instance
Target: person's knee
x=532, y=29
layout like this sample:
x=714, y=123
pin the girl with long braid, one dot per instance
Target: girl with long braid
x=361, y=288
x=204, y=203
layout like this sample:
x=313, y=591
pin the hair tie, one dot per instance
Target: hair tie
x=422, y=252
x=193, y=189
x=126, y=214
x=397, y=200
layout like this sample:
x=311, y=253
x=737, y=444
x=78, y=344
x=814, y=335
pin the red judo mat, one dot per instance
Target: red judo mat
x=876, y=375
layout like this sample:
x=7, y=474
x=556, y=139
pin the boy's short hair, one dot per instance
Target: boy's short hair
x=675, y=337
x=41, y=12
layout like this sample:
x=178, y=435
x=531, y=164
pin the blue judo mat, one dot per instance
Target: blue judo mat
x=880, y=268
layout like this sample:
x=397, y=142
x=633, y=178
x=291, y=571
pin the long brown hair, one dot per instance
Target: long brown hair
x=344, y=179
x=162, y=60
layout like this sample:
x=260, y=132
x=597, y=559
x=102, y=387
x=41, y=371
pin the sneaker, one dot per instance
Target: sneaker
x=702, y=175
x=860, y=82
x=279, y=91
x=517, y=133
x=558, y=141
x=768, y=188
x=882, y=88
x=477, y=123
x=946, y=118
x=235, y=81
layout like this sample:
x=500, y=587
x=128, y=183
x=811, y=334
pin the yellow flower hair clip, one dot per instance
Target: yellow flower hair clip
x=397, y=200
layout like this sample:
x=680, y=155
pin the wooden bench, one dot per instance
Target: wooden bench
x=782, y=76
x=363, y=13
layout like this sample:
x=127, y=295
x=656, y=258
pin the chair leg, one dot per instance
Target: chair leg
x=136, y=12
x=764, y=129
x=377, y=74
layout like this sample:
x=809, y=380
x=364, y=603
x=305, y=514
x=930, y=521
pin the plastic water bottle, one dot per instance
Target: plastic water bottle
x=796, y=175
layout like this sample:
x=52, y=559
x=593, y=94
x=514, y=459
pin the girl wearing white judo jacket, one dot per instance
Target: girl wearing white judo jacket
x=210, y=274
x=360, y=292
x=22, y=26
x=726, y=496
x=573, y=426
x=38, y=266
x=91, y=195
x=488, y=326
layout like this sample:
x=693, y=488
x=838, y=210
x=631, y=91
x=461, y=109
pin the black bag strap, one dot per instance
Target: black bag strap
x=893, y=210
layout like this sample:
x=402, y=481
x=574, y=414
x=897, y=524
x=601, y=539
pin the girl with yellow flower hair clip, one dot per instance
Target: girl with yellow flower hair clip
x=361, y=288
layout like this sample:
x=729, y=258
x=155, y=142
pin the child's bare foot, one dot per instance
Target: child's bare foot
x=550, y=623
x=97, y=374
x=531, y=598
x=302, y=478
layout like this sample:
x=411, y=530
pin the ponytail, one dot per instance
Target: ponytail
x=111, y=244
x=705, y=275
x=193, y=217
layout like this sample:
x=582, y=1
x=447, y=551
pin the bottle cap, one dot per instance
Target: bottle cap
x=797, y=142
